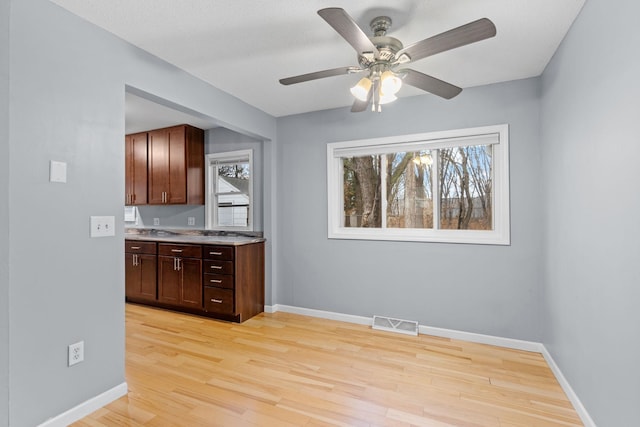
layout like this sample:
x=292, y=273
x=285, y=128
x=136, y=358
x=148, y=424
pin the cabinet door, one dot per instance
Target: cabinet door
x=169, y=281
x=131, y=276
x=148, y=284
x=191, y=270
x=158, y=166
x=128, y=169
x=180, y=281
x=140, y=276
x=136, y=152
x=177, y=188
x=139, y=166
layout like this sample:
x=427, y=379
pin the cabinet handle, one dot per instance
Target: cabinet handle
x=175, y=265
x=177, y=250
x=216, y=267
x=215, y=253
x=215, y=281
x=133, y=248
x=217, y=301
x=135, y=260
x=179, y=264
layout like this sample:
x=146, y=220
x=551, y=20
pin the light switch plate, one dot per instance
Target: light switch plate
x=57, y=171
x=103, y=226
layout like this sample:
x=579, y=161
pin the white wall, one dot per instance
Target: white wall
x=477, y=288
x=4, y=212
x=67, y=103
x=591, y=147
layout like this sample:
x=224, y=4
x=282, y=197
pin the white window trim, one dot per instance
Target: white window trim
x=211, y=211
x=500, y=235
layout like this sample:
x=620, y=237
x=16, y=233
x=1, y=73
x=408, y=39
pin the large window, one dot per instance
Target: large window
x=450, y=186
x=229, y=190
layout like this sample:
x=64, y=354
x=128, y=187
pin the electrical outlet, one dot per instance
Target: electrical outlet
x=191, y=220
x=156, y=221
x=76, y=353
x=103, y=226
x=57, y=171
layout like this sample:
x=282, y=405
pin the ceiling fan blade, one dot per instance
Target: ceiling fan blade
x=348, y=29
x=466, y=34
x=359, y=106
x=320, y=75
x=430, y=84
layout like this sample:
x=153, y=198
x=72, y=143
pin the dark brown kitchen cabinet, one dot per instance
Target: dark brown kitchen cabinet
x=220, y=281
x=136, y=169
x=180, y=275
x=176, y=166
x=140, y=270
x=233, y=278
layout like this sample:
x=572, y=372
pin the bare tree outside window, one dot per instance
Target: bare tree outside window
x=362, y=204
x=465, y=188
x=446, y=186
x=409, y=199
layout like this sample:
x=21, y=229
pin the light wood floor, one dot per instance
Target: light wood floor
x=289, y=370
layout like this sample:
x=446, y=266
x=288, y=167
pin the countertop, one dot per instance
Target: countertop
x=174, y=237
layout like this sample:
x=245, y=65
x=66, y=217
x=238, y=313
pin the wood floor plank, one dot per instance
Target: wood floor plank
x=285, y=370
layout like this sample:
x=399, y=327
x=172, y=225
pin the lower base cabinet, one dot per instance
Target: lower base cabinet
x=140, y=267
x=224, y=282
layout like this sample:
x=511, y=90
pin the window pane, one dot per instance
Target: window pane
x=409, y=199
x=466, y=188
x=233, y=216
x=361, y=191
x=233, y=177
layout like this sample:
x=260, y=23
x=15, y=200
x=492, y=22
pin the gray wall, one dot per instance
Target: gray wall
x=67, y=103
x=169, y=217
x=591, y=107
x=477, y=288
x=4, y=213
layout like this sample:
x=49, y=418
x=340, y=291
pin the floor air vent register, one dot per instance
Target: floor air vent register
x=407, y=327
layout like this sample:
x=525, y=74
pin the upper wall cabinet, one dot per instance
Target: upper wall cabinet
x=174, y=166
x=136, y=169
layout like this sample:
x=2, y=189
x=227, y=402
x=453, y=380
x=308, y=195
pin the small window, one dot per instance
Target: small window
x=448, y=186
x=229, y=204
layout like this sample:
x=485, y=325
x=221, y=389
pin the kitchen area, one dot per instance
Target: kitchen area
x=193, y=214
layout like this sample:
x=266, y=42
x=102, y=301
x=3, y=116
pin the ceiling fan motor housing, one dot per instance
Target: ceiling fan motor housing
x=387, y=46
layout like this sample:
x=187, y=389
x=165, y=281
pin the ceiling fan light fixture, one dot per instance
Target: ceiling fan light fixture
x=386, y=98
x=390, y=84
x=361, y=89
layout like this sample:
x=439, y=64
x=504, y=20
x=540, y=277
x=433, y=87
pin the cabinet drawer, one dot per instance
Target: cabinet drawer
x=219, y=280
x=218, y=300
x=218, y=267
x=219, y=252
x=137, y=247
x=178, y=250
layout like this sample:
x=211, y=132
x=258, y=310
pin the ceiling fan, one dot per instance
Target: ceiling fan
x=383, y=57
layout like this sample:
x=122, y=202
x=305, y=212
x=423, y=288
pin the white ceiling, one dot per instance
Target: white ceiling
x=245, y=46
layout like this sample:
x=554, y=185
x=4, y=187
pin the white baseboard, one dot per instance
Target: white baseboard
x=482, y=339
x=458, y=335
x=349, y=318
x=85, y=408
x=573, y=397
